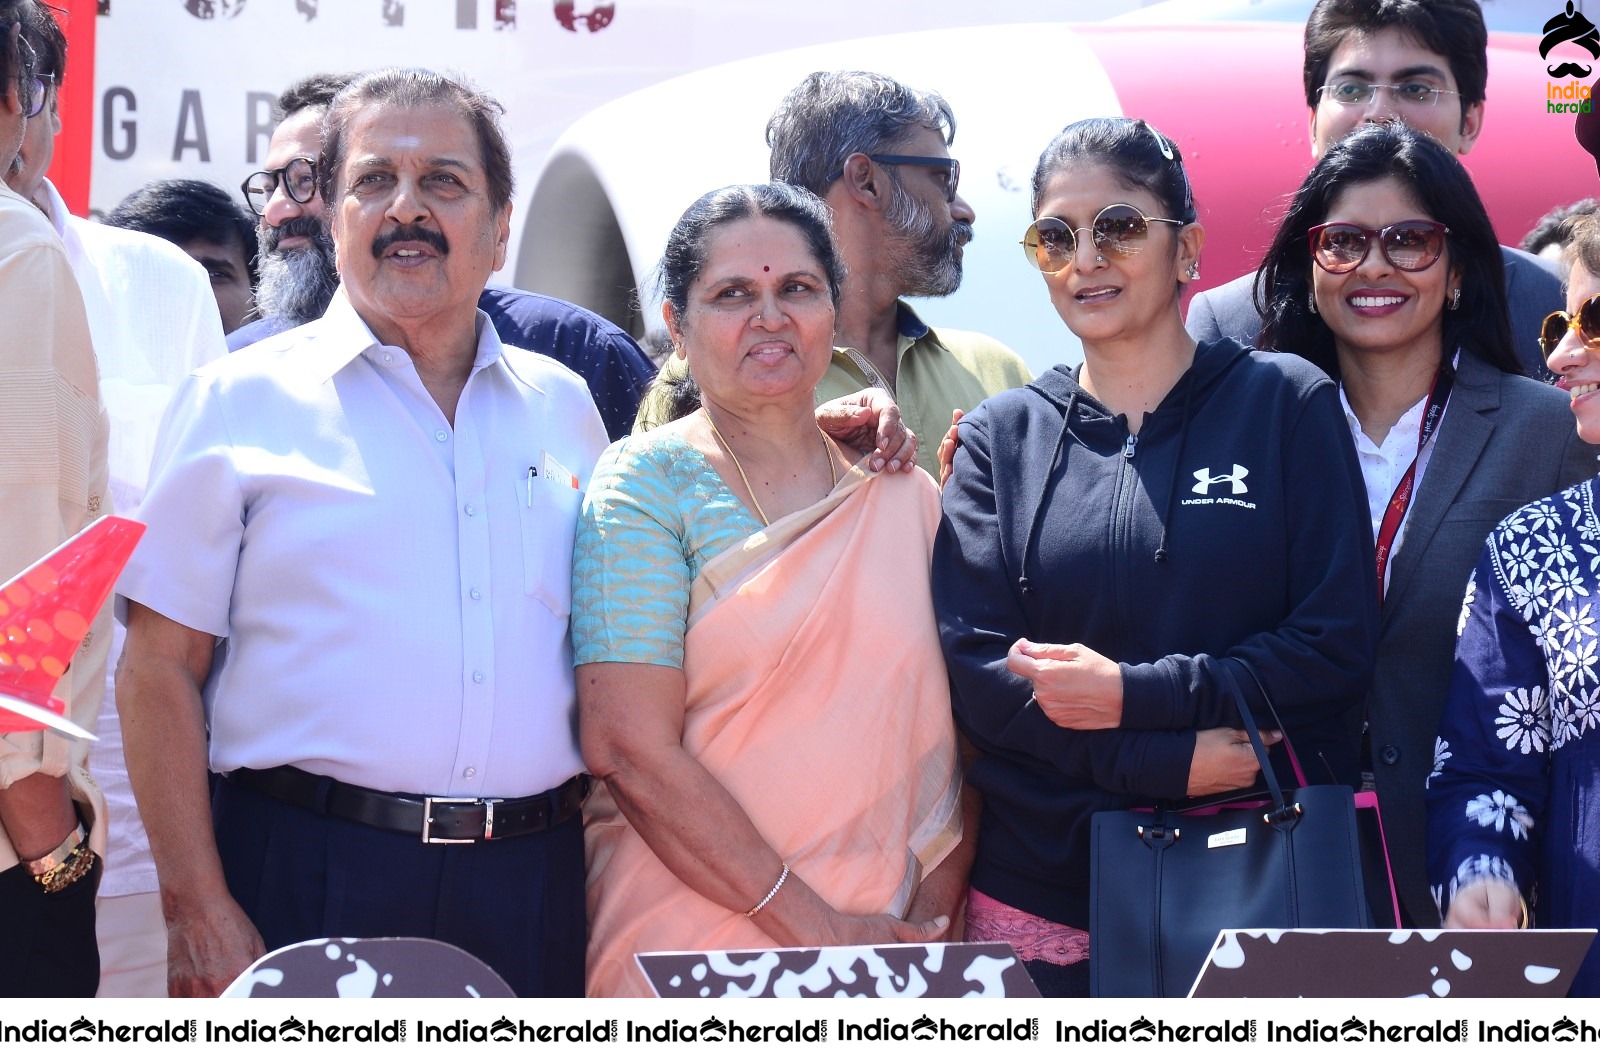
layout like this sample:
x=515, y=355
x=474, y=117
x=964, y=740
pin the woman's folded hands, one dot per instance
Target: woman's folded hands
x=1075, y=686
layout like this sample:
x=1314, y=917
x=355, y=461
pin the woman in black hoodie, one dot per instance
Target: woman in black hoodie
x=1115, y=534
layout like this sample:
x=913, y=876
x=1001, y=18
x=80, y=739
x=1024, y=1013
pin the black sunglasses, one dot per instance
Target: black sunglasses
x=951, y=167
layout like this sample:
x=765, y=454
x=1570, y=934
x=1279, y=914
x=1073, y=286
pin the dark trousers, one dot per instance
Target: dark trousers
x=1059, y=980
x=515, y=904
x=49, y=948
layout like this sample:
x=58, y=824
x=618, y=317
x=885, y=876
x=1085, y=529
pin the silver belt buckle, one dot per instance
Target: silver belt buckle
x=428, y=803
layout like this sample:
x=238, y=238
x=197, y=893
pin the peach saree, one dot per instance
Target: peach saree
x=817, y=696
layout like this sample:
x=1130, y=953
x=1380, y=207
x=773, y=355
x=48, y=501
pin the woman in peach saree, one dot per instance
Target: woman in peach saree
x=761, y=691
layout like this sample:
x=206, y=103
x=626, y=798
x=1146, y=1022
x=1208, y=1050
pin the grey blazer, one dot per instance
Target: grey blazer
x=1533, y=292
x=1505, y=440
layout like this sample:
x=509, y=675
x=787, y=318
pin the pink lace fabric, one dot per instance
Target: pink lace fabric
x=1033, y=937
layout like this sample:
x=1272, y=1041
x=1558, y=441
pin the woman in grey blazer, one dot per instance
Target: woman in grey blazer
x=1386, y=273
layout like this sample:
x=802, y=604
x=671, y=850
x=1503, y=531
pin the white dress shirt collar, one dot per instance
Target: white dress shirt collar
x=1383, y=466
x=345, y=336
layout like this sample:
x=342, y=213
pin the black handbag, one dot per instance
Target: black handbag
x=1164, y=881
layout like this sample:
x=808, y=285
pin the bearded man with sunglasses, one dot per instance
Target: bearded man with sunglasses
x=1423, y=62
x=877, y=152
x=52, y=484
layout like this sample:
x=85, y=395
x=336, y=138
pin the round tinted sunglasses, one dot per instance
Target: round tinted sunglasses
x=1119, y=229
x=1409, y=246
x=1586, y=322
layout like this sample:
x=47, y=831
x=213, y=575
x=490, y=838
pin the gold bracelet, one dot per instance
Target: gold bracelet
x=1527, y=918
x=78, y=864
x=68, y=863
x=775, y=888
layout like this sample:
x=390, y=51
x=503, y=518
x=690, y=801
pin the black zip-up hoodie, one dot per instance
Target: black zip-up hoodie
x=1234, y=525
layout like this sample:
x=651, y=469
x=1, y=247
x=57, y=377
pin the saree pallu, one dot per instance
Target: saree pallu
x=817, y=695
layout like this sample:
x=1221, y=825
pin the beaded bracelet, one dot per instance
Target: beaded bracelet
x=775, y=888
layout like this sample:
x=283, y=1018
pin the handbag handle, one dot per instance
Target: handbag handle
x=1282, y=815
x=1288, y=747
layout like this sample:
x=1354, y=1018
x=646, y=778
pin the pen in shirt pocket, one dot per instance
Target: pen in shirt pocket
x=553, y=473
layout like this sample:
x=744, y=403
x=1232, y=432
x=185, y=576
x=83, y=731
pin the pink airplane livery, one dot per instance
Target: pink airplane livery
x=46, y=611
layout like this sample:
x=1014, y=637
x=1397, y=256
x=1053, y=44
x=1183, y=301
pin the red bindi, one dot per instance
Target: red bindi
x=766, y=268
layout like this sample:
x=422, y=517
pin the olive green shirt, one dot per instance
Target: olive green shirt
x=936, y=372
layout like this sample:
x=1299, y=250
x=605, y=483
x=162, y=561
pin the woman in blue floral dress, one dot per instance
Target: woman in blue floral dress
x=1514, y=797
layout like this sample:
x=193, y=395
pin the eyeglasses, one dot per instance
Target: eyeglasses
x=1050, y=243
x=1586, y=322
x=1360, y=93
x=1410, y=246
x=952, y=169
x=40, y=93
x=298, y=179
x=33, y=105
x=30, y=84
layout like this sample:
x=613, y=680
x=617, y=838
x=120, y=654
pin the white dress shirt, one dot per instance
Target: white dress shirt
x=53, y=432
x=153, y=320
x=1383, y=466
x=393, y=591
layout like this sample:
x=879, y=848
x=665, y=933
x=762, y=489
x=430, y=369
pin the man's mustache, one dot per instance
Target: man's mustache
x=305, y=227
x=409, y=234
x=1568, y=70
x=961, y=233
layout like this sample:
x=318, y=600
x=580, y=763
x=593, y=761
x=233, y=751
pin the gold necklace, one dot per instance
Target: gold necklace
x=827, y=452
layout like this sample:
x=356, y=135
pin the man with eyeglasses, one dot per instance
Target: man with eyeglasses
x=877, y=152
x=1423, y=62
x=299, y=276
x=52, y=484
x=153, y=321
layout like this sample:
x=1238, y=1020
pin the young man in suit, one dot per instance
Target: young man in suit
x=1423, y=62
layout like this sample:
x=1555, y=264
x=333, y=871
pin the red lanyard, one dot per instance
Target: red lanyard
x=1395, y=514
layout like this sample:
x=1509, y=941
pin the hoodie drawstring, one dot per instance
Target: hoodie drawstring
x=1177, y=472
x=1023, y=584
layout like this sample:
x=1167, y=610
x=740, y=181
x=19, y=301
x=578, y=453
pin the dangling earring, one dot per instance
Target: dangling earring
x=1455, y=298
x=1311, y=300
x=1193, y=272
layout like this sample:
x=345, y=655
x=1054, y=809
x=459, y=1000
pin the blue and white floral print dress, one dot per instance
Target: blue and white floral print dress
x=1515, y=788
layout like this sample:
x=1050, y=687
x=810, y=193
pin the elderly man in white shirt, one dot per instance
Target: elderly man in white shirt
x=153, y=321
x=359, y=547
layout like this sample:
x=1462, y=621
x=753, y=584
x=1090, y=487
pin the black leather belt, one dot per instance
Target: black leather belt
x=433, y=819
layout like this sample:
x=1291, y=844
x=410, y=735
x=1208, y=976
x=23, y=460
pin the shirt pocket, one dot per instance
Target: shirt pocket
x=549, y=523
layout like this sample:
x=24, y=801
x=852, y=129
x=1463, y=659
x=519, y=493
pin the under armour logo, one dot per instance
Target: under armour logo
x=1204, y=479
